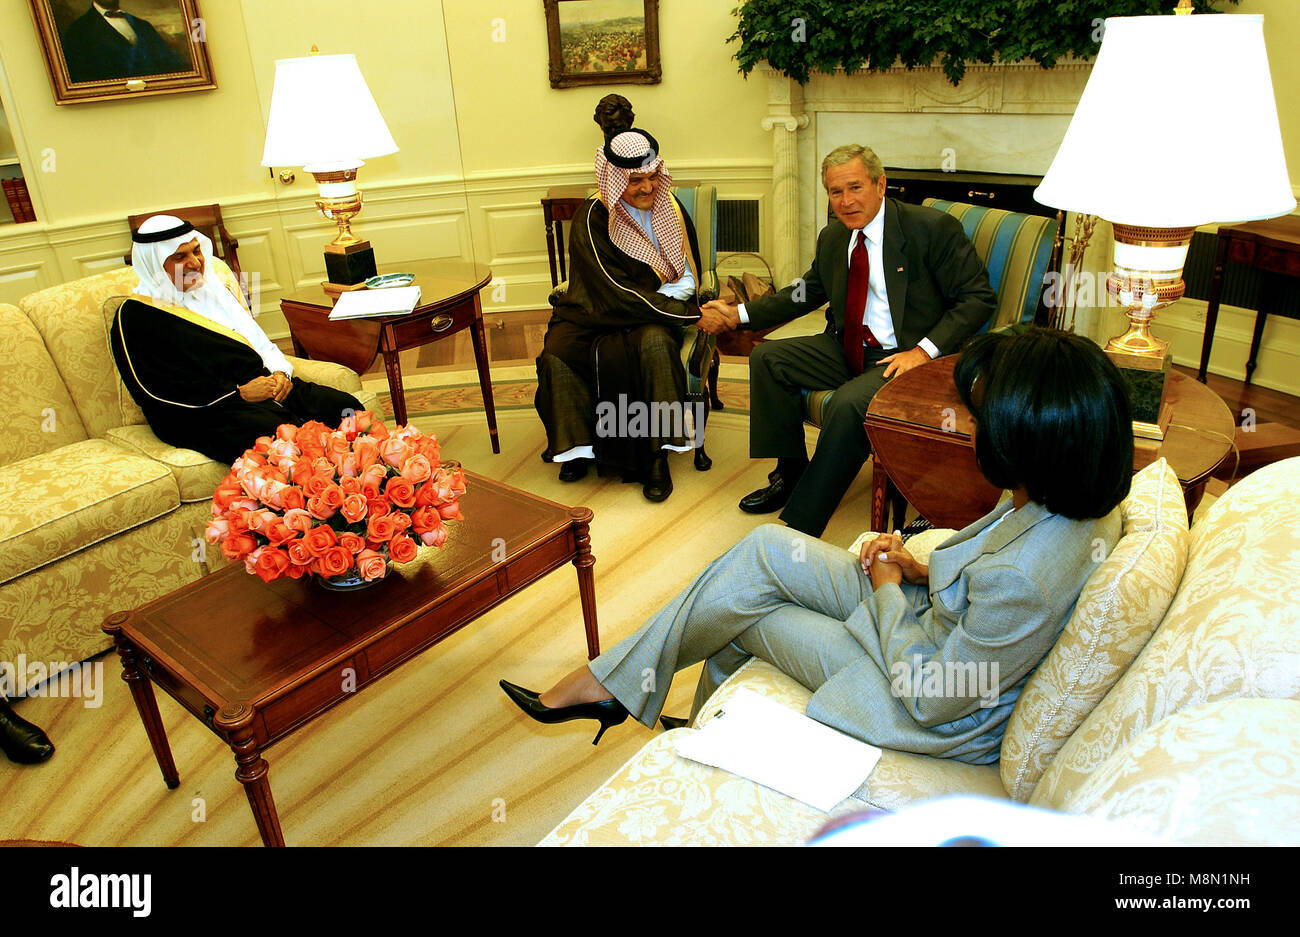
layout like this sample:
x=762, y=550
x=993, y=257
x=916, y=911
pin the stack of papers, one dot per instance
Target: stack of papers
x=395, y=301
x=779, y=748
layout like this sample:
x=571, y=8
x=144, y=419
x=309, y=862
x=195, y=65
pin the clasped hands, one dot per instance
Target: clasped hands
x=717, y=317
x=273, y=387
x=885, y=559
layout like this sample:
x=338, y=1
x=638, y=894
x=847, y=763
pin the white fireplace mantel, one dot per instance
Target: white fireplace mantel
x=1001, y=118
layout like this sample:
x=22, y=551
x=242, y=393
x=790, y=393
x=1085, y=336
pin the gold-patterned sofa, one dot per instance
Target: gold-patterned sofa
x=1170, y=704
x=96, y=513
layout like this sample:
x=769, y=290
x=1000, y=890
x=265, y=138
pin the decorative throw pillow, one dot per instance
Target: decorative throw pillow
x=1118, y=610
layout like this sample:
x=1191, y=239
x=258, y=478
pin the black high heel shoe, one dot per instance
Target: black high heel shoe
x=608, y=712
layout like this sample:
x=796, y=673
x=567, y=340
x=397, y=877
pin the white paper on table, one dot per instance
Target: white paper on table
x=773, y=745
x=356, y=304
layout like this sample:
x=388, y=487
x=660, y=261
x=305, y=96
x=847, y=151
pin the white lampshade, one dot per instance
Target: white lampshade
x=1177, y=127
x=322, y=114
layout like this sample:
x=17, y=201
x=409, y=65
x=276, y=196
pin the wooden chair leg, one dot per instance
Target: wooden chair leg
x=897, y=506
x=713, y=381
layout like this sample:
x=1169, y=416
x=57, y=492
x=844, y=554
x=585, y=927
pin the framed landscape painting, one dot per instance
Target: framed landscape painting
x=603, y=42
x=106, y=49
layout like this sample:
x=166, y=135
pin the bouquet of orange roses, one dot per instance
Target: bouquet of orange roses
x=339, y=503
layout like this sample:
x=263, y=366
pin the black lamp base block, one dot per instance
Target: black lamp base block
x=1147, y=379
x=354, y=264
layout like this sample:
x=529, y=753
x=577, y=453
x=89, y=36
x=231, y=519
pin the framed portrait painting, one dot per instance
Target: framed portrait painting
x=98, y=50
x=603, y=42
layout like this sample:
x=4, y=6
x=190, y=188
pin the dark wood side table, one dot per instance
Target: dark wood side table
x=560, y=205
x=449, y=302
x=923, y=443
x=1273, y=247
x=254, y=661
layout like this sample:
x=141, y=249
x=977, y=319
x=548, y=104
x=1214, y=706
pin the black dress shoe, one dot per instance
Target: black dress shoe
x=769, y=499
x=672, y=722
x=659, y=484
x=574, y=470
x=22, y=742
x=608, y=712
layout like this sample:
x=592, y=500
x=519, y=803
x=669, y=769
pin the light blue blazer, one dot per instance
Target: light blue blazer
x=1000, y=593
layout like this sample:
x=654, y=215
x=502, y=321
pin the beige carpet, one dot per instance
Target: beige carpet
x=434, y=753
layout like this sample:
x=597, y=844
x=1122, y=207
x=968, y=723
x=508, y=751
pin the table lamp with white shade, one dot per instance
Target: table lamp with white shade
x=1177, y=127
x=324, y=118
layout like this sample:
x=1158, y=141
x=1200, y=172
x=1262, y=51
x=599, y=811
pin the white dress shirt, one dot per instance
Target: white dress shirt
x=120, y=23
x=875, y=315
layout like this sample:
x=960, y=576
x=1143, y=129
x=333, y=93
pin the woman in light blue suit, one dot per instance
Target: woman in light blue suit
x=920, y=658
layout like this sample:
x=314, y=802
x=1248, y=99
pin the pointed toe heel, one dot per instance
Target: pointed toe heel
x=608, y=712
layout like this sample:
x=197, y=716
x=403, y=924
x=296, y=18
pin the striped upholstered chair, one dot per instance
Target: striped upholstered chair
x=1018, y=252
x=699, y=349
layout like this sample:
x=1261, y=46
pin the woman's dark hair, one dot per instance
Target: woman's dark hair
x=1051, y=413
x=614, y=115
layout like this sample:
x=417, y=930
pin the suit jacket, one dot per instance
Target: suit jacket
x=936, y=285
x=998, y=599
x=95, y=51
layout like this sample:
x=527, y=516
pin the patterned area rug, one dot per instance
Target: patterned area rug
x=466, y=397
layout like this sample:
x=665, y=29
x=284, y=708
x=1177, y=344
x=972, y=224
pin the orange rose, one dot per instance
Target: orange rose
x=237, y=546
x=372, y=480
x=238, y=518
x=298, y=553
x=226, y=494
x=298, y=519
x=319, y=509
x=425, y=518
x=351, y=542
x=401, y=520
x=350, y=485
x=400, y=491
x=380, y=528
x=315, y=484
x=279, y=532
x=335, y=561
x=378, y=507
x=417, y=469
x=354, y=508
x=271, y=563
x=450, y=511
x=295, y=571
x=294, y=499
x=332, y=497
x=394, y=451
x=286, y=432
x=319, y=539
x=261, y=443
x=371, y=565
x=402, y=549
x=435, y=536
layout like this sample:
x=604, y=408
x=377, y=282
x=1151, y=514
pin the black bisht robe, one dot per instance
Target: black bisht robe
x=598, y=329
x=186, y=377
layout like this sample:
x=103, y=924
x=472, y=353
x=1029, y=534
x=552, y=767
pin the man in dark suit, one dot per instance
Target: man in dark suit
x=914, y=289
x=106, y=43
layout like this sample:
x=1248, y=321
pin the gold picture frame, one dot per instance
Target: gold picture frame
x=603, y=42
x=112, y=49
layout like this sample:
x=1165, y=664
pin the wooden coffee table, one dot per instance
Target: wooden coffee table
x=255, y=661
x=922, y=439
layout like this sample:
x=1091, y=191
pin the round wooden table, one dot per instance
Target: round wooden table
x=921, y=436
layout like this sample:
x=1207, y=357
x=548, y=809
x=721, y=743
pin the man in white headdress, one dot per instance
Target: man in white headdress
x=204, y=373
x=615, y=333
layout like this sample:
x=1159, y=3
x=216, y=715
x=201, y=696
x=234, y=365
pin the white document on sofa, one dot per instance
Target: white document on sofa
x=775, y=746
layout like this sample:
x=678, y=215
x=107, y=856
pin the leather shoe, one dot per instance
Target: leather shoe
x=22, y=742
x=769, y=499
x=673, y=722
x=659, y=484
x=574, y=470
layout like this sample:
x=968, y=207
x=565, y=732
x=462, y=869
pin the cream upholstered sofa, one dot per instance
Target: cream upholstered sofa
x=1170, y=703
x=96, y=513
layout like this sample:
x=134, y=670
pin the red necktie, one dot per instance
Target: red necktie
x=856, y=333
